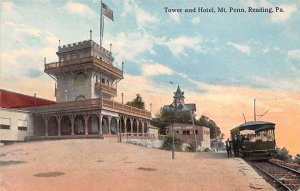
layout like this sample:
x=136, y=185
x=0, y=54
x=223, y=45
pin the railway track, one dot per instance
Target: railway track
x=286, y=178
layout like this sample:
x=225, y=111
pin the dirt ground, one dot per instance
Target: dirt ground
x=95, y=164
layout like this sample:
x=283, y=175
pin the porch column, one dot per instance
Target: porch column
x=46, y=118
x=86, y=118
x=58, y=118
x=118, y=128
x=125, y=127
x=131, y=126
x=72, y=118
x=143, y=128
x=109, y=121
x=100, y=123
x=137, y=126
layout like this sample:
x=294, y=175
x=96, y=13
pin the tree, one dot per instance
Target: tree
x=137, y=102
x=297, y=159
x=207, y=122
x=168, y=142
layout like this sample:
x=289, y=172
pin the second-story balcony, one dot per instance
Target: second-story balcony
x=83, y=63
x=106, y=88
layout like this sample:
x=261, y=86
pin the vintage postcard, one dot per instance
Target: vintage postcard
x=149, y=95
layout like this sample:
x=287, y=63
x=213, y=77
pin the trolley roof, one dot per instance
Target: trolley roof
x=256, y=126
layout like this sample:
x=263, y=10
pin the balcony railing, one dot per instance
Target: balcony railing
x=106, y=88
x=91, y=104
x=90, y=59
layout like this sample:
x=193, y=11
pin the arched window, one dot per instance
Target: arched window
x=81, y=97
x=80, y=79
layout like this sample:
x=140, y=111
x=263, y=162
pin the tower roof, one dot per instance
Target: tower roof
x=178, y=93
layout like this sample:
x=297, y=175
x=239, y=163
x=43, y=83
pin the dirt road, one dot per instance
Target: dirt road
x=108, y=165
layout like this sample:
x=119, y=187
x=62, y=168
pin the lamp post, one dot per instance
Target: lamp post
x=66, y=95
x=173, y=144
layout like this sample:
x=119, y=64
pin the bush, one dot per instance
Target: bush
x=206, y=150
x=297, y=159
x=189, y=147
x=283, y=154
x=168, y=143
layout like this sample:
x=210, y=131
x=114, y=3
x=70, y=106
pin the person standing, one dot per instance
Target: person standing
x=228, y=148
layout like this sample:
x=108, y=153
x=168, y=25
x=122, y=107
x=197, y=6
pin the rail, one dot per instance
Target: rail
x=107, y=88
x=89, y=59
x=279, y=174
x=85, y=105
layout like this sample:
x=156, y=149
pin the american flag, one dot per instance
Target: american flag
x=107, y=11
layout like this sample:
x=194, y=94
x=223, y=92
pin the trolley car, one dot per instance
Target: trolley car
x=256, y=139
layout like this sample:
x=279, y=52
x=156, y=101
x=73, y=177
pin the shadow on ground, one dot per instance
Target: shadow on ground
x=11, y=162
x=49, y=174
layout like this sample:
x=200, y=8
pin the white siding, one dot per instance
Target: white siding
x=15, y=119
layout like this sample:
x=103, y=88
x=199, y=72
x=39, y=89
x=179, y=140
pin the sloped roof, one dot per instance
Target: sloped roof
x=178, y=93
x=256, y=126
x=10, y=99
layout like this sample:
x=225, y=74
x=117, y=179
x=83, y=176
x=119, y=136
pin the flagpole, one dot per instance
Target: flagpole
x=101, y=24
x=102, y=28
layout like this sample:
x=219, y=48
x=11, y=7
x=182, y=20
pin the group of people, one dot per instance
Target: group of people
x=234, y=144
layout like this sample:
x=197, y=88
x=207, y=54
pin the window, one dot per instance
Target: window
x=4, y=126
x=196, y=132
x=22, y=125
x=103, y=81
x=186, y=132
x=80, y=79
x=4, y=123
x=22, y=128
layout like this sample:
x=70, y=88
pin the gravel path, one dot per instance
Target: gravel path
x=108, y=165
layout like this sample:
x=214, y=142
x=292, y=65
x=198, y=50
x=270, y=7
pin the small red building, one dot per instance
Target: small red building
x=186, y=133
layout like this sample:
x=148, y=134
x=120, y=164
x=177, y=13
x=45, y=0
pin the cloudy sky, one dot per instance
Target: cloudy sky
x=221, y=60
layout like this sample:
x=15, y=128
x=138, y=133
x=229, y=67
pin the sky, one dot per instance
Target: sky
x=222, y=61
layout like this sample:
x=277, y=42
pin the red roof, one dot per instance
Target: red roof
x=10, y=99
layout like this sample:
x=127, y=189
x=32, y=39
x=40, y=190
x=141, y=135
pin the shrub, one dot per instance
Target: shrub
x=297, y=159
x=283, y=154
x=189, y=147
x=168, y=143
x=206, y=150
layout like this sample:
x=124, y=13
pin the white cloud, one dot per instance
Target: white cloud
x=178, y=45
x=278, y=17
x=175, y=17
x=51, y=38
x=196, y=20
x=241, y=47
x=24, y=28
x=265, y=50
x=128, y=46
x=294, y=53
x=143, y=18
x=28, y=30
x=78, y=8
x=156, y=69
x=14, y=58
x=6, y=5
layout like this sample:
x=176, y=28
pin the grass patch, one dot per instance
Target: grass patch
x=99, y=161
x=49, y=174
x=146, y=169
x=11, y=162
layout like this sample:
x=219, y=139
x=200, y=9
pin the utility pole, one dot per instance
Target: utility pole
x=173, y=144
x=254, y=110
